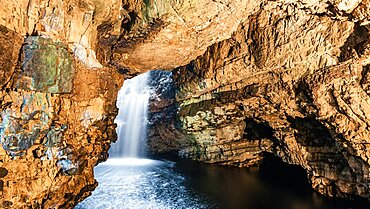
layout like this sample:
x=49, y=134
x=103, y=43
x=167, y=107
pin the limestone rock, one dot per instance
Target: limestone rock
x=292, y=81
x=288, y=77
x=57, y=110
x=183, y=31
x=162, y=134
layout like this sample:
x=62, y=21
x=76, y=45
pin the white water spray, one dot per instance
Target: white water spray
x=132, y=101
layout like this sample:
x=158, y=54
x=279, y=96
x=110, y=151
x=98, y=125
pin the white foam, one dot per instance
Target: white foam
x=131, y=162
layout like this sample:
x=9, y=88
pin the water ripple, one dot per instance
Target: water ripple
x=140, y=183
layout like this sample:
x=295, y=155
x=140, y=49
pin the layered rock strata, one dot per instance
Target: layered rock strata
x=164, y=134
x=286, y=77
x=292, y=81
x=61, y=69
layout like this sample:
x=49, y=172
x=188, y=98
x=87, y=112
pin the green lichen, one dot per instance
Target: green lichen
x=49, y=64
x=156, y=9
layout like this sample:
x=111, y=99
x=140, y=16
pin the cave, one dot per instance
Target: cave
x=137, y=176
x=234, y=85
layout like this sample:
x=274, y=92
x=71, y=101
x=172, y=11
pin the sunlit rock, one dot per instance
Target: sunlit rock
x=249, y=77
x=287, y=82
x=11, y=43
x=49, y=66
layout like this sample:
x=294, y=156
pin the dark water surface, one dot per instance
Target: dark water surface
x=186, y=184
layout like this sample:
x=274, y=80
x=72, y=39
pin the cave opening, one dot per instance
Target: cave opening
x=136, y=179
x=131, y=178
x=258, y=83
x=293, y=178
x=283, y=175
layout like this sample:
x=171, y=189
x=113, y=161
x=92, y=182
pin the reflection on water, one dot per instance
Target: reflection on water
x=188, y=184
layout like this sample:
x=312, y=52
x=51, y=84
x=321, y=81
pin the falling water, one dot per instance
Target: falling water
x=132, y=102
x=128, y=181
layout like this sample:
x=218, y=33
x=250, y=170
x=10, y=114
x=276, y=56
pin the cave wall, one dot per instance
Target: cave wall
x=292, y=81
x=285, y=77
x=57, y=101
x=63, y=63
x=56, y=123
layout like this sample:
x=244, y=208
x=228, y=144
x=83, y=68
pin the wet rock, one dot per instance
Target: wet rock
x=291, y=82
x=55, y=136
x=3, y=172
x=1, y=185
x=50, y=138
x=162, y=114
x=56, y=111
x=163, y=90
x=25, y=120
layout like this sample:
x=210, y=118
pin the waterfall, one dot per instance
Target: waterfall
x=132, y=102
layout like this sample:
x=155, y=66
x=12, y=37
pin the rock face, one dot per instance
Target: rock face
x=56, y=124
x=61, y=69
x=164, y=135
x=285, y=77
x=183, y=30
x=57, y=102
x=292, y=81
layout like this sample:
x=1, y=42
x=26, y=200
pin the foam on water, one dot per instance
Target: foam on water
x=126, y=179
x=132, y=162
x=140, y=183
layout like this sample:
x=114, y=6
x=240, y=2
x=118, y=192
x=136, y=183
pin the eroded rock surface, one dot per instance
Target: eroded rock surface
x=286, y=77
x=52, y=135
x=56, y=119
x=290, y=81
